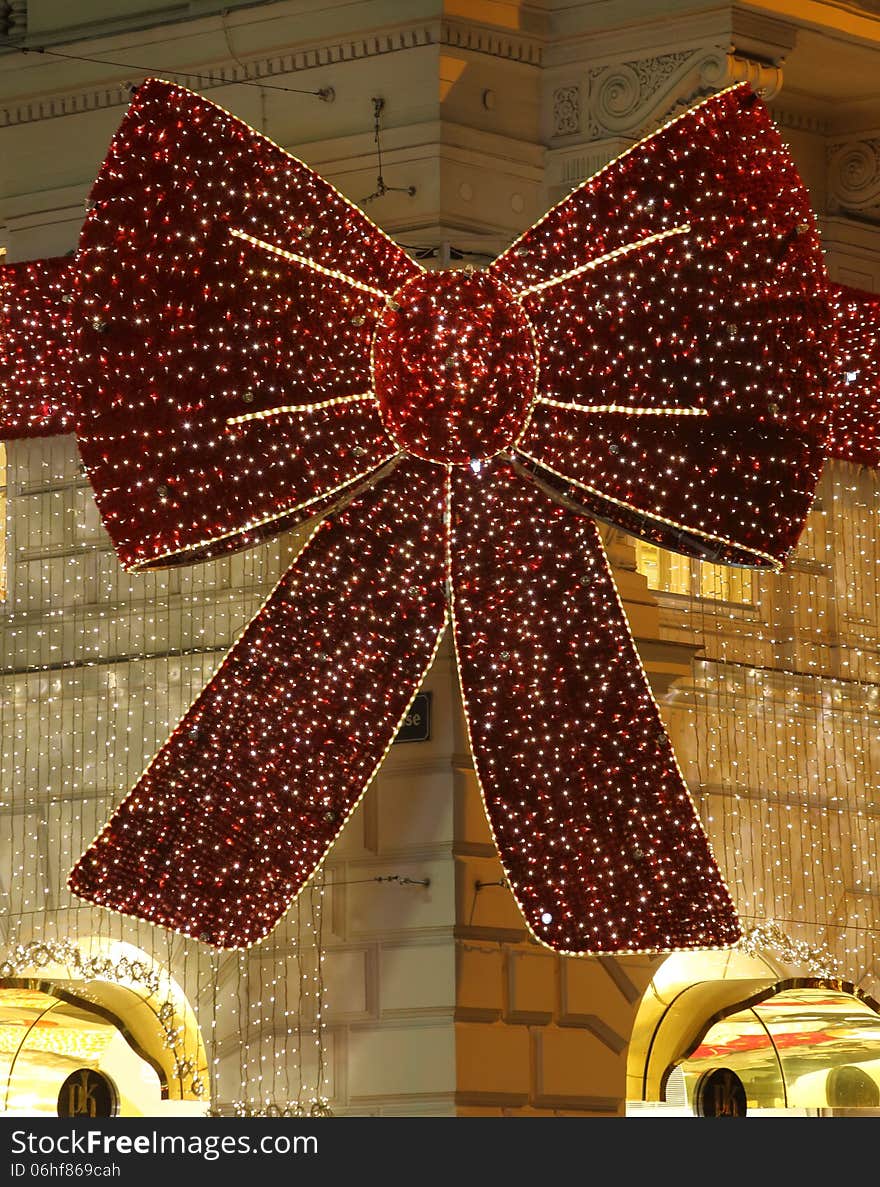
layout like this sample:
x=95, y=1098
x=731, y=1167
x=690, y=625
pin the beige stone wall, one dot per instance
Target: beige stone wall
x=777, y=730
x=536, y=1033
x=390, y=949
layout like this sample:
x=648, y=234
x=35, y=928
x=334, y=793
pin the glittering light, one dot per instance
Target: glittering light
x=212, y=327
x=596, y=820
x=294, y=258
x=653, y=351
x=659, y=410
x=283, y=408
x=119, y=971
x=730, y=317
x=624, y=250
x=855, y=393
x=454, y=367
x=769, y=936
x=265, y=768
x=35, y=396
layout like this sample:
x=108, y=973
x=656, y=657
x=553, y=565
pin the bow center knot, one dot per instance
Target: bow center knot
x=454, y=367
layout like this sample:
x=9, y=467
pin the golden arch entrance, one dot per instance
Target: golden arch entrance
x=733, y=1033
x=96, y=1028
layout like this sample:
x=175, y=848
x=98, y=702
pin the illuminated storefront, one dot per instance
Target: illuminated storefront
x=754, y=1039
x=62, y=1057
x=96, y=1030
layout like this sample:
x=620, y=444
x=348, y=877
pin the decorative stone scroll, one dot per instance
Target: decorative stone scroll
x=854, y=177
x=627, y=98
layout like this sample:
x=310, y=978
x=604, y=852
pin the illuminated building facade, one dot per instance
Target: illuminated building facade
x=404, y=981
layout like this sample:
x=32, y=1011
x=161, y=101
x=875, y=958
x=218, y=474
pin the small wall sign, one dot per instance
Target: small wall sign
x=417, y=724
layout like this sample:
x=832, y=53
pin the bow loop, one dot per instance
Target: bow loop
x=682, y=319
x=227, y=297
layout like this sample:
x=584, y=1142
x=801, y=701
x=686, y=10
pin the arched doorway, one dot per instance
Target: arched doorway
x=733, y=1033
x=97, y=1027
x=65, y=1056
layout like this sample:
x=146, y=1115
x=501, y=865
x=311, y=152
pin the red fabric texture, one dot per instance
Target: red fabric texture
x=855, y=390
x=36, y=386
x=230, y=313
x=601, y=844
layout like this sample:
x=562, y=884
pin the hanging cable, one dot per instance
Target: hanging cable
x=327, y=94
x=398, y=878
x=381, y=188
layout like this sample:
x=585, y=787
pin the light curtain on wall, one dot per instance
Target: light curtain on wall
x=778, y=729
x=97, y=665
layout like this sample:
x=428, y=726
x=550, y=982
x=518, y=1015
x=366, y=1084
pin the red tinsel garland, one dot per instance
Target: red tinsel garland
x=251, y=351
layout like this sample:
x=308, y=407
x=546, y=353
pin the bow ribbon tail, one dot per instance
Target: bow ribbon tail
x=600, y=841
x=240, y=806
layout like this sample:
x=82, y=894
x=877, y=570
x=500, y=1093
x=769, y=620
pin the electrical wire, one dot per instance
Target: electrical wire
x=381, y=188
x=327, y=94
x=398, y=878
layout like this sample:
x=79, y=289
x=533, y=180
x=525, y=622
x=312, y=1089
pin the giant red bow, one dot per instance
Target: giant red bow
x=252, y=352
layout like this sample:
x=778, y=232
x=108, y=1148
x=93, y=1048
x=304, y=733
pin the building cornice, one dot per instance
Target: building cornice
x=797, y=119
x=521, y=49
x=482, y=39
x=226, y=73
